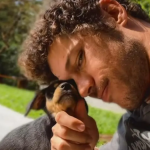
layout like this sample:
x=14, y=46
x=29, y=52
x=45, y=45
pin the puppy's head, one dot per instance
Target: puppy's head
x=58, y=96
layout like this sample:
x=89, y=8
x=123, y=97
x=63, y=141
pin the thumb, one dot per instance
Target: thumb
x=81, y=111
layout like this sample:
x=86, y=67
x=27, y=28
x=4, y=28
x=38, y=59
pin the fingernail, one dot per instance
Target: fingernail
x=81, y=127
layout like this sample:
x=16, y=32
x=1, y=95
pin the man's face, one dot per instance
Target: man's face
x=114, y=71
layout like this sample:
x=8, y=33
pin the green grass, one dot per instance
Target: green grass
x=106, y=120
x=17, y=99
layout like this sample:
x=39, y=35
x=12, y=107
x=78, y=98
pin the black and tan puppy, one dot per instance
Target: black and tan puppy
x=58, y=96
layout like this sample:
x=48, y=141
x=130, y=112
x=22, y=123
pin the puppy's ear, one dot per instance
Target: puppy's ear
x=38, y=102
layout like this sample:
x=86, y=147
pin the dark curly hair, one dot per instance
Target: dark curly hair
x=65, y=17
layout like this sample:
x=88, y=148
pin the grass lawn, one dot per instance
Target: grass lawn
x=17, y=99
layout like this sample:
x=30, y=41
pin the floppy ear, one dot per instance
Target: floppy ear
x=38, y=102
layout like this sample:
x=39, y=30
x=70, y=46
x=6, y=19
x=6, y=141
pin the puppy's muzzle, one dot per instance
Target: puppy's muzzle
x=58, y=96
x=64, y=98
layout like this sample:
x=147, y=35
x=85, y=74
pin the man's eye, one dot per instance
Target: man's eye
x=80, y=59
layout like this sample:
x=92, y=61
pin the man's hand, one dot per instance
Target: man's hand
x=71, y=133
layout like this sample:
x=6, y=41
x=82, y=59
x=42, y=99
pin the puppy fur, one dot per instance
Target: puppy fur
x=36, y=135
x=32, y=136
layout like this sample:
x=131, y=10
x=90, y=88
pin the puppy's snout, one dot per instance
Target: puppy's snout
x=65, y=86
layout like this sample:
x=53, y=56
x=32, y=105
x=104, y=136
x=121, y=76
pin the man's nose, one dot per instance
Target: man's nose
x=84, y=87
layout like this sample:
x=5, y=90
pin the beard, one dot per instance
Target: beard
x=132, y=69
x=136, y=65
x=140, y=73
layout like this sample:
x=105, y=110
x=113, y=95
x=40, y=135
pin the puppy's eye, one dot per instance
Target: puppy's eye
x=80, y=59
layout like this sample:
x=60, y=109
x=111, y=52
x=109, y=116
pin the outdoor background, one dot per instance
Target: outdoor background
x=16, y=19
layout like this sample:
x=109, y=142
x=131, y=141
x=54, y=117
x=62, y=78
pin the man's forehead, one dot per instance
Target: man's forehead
x=66, y=38
x=65, y=43
x=60, y=51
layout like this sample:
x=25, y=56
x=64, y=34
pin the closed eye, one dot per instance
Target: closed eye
x=80, y=59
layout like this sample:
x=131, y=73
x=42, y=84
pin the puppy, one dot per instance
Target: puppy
x=36, y=135
x=58, y=96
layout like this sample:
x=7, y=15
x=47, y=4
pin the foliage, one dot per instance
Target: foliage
x=16, y=18
x=145, y=4
x=18, y=99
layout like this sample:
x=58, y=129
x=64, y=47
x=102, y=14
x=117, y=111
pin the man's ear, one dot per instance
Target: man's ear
x=115, y=10
x=37, y=103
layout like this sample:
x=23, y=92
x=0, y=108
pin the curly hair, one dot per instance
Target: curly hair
x=65, y=17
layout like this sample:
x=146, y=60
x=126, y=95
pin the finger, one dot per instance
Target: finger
x=59, y=144
x=68, y=134
x=80, y=111
x=72, y=122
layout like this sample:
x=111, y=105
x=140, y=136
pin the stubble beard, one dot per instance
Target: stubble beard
x=138, y=72
x=134, y=61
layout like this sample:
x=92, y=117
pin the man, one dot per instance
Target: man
x=104, y=46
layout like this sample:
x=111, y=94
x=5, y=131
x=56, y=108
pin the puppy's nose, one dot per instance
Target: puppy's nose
x=65, y=86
